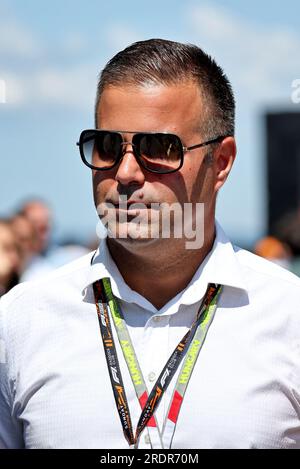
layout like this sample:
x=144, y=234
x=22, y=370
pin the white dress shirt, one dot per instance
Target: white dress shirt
x=244, y=392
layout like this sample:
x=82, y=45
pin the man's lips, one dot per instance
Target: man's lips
x=130, y=209
x=131, y=204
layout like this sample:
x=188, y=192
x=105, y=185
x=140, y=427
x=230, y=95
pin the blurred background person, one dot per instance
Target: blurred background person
x=26, y=239
x=9, y=257
x=38, y=214
x=274, y=250
x=32, y=226
x=287, y=230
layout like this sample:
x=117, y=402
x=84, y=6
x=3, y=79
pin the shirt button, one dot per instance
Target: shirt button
x=147, y=439
x=151, y=376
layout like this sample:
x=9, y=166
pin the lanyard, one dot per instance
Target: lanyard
x=189, y=347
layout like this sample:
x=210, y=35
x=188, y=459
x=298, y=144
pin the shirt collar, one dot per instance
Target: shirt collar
x=220, y=266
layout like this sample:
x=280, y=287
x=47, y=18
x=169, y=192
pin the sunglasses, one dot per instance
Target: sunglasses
x=156, y=152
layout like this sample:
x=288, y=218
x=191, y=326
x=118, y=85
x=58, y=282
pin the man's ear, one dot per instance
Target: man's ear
x=223, y=160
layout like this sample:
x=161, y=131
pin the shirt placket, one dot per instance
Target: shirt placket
x=153, y=358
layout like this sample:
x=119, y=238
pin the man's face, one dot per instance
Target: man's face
x=9, y=255
x=25, y=236
x=39, y=216
x=175, y=109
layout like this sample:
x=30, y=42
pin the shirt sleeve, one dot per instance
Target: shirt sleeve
x=10, y=429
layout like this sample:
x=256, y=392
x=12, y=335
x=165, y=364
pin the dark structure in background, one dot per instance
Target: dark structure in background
x=283, y=177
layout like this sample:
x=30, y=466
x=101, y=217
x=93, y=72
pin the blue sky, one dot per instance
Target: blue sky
x=51, y=54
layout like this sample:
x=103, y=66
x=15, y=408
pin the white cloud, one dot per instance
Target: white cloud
x=74, y=43
x=2, y=92
x=120, y=36
x=70, y=85
x=66, y=85
x=212, y=22
x=16, y=40
x=262, y=61
x=14, y=88
x=73, y=87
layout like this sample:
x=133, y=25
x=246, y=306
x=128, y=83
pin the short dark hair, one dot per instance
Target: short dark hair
x=158, y=61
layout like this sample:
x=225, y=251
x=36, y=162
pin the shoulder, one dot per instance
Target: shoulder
x=40, y=311
x=256, y=267
x=272, y=290
x=59, y=283
x=273, y=307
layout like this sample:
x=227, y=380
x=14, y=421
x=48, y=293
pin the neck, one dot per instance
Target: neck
x=159, y=271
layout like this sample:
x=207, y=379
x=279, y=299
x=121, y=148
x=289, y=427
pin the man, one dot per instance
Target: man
x=38, y=214
x=26, y=239
x=274, y=250
x=9, y=257
x=85, y=347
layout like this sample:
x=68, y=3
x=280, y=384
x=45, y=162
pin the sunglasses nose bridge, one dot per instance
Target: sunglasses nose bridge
x=129, y=169
x=125, y=149
x=125, y=144
x=128, y=147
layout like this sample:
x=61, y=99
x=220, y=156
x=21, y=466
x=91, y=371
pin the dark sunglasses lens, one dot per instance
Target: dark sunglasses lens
x=159, y=152
x=101, y=148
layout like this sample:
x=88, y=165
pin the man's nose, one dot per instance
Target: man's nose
x=129, y=170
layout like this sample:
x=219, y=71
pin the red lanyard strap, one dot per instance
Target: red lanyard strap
x=113, y=363
x=105, y=300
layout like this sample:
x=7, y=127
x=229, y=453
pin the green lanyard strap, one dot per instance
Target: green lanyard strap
x=189, y=347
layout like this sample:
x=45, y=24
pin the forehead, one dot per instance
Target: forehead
x=37, y=211
x=150, y=107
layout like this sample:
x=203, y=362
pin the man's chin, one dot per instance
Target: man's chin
x=136, y=243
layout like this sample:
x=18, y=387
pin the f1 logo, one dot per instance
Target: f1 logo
x=114, y=373
x=164, y=377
